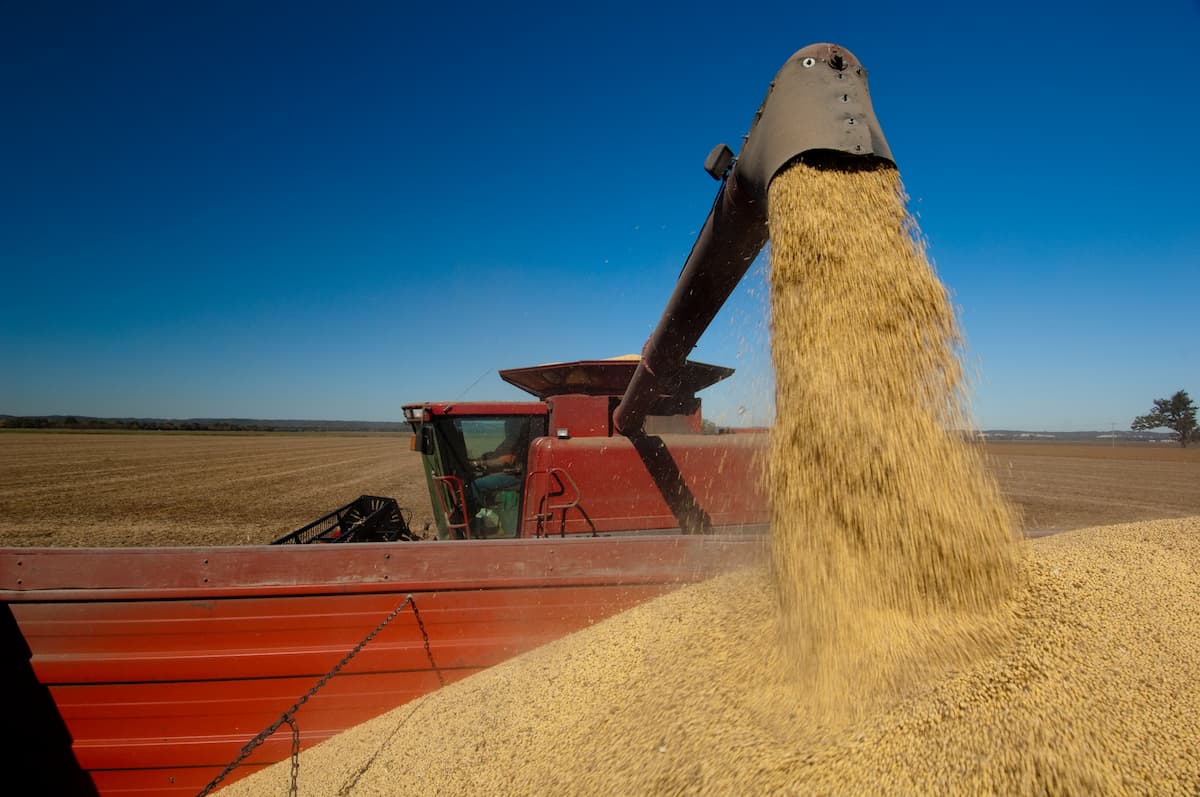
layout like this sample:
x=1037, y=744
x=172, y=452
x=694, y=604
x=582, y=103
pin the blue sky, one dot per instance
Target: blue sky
x=304, y=210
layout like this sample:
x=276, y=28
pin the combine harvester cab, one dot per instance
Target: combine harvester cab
x=562, y=469
x=166, y=670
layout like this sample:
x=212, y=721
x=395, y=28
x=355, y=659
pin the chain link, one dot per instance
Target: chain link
x=289, y=715
x=295, y=756
x=425, y=636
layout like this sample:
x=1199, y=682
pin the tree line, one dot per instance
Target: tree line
x=1177, y=413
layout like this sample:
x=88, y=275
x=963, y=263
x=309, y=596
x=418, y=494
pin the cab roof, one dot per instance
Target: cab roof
x=604, y=377
x=417, y=411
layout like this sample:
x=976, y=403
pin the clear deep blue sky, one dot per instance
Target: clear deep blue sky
x=302, y=210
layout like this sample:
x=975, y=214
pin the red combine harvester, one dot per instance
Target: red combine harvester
x=155, y=670
x=556, y=467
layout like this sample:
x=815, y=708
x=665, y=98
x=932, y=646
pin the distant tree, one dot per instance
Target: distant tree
x=1178, y=413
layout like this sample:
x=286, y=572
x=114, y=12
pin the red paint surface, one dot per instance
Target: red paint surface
x=162, y=663
x=617, y=492
x=473, y=408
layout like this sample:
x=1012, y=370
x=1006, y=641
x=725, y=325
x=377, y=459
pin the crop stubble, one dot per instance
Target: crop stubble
x=143, y=489
x=1062, y=486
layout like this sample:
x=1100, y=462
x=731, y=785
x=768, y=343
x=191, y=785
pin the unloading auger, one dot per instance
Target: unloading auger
x=817, y=111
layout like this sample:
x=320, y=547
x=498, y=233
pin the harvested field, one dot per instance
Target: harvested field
x=1061, y=486
x=146, y=488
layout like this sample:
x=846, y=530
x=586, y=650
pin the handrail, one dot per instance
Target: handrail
x=546, y=512
x=455, y=484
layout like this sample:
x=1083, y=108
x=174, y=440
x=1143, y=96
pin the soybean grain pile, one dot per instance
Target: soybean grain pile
x=902, y=639
x=1094, y=693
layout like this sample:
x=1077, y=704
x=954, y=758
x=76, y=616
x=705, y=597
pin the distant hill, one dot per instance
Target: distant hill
x=1107, y=435
x=84, y=422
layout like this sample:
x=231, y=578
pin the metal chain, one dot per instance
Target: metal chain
x=425, y=636
x=295, y=756
x=288, y=716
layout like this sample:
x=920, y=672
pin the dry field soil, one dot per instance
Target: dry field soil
x=143, y=489
x=140, y=489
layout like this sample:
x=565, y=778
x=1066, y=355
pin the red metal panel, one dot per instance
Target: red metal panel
x=189, y=734
x=205, y=573
x=280, y=637
x=163, y=663
x=579, y=416
x=617, y=492
x=484, y=407
x=180, y=782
